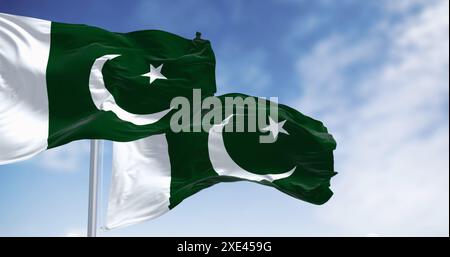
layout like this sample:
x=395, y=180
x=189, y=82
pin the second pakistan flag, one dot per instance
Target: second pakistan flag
x=290, y=152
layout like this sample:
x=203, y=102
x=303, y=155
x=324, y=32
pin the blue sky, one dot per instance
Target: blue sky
x=376, y=72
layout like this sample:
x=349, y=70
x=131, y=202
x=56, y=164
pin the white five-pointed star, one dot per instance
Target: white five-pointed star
x=154, y=73
x=275, y=128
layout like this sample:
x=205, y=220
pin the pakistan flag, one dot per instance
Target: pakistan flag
x=290, y=152
x=63, y=82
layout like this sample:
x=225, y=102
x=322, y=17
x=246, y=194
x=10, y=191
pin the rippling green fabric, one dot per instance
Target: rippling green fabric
x=308, y=146
x=187, y=64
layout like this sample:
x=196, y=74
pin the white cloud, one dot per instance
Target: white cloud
x=251, y=74
x=390, y=120
x=65, y=158
x=75, y=233
x=403, y=5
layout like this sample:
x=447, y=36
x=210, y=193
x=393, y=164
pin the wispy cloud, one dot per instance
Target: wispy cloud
x=75, y=233
x=65, y=158
x=390, y=119
x=242, y=70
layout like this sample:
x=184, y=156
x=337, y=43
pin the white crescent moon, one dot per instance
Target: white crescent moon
x=224, y=165
x=104, y=100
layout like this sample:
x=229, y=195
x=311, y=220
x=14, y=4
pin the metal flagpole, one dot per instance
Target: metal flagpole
x=95, y=163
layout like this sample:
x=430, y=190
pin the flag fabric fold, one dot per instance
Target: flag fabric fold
x=24, y=51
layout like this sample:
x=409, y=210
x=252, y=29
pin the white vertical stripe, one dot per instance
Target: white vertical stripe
x=140, y=186
x=24, y=52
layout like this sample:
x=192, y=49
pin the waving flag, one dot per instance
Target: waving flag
x=154, y=174
x=63, y=82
